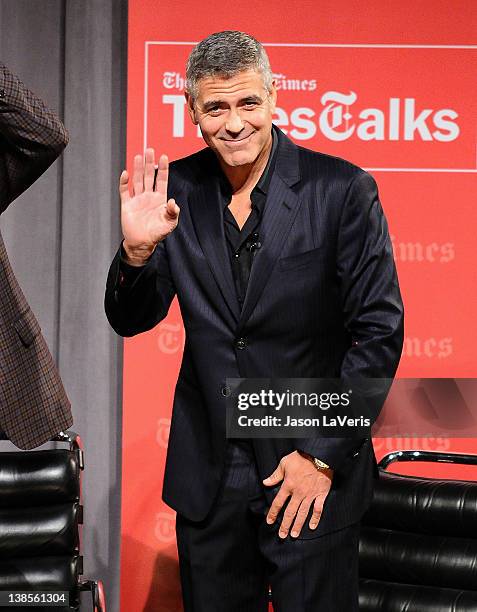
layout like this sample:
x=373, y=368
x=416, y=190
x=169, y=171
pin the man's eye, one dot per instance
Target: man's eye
x=250, y=105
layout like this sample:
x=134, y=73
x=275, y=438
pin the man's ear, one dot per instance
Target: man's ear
x=190, y=107
x=273, y=94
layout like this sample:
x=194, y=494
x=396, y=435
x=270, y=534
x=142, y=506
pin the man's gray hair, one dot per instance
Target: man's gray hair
x=225, y=54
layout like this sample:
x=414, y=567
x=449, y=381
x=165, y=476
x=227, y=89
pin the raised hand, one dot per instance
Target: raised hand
x=147, y=216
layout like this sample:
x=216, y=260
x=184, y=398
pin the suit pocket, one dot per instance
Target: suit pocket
x=27, y=327
x=313, y=257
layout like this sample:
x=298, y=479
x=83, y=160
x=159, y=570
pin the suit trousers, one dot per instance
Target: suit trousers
x=229, y=559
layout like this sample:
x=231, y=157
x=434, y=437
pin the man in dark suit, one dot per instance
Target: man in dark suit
x=282, y=265
x=33, y=403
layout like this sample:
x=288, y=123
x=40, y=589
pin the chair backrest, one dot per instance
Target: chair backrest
x=418, y=544
x=40, y=514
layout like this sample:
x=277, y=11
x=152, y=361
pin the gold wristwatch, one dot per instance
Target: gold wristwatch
x=320, y=465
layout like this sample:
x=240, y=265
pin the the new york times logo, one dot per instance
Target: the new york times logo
x=276, y=400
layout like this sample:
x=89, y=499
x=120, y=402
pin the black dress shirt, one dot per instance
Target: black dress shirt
x=243, y=244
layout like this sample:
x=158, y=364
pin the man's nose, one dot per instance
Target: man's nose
x=234, y=123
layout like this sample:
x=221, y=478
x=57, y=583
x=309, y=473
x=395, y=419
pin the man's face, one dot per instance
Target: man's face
x=235, y=115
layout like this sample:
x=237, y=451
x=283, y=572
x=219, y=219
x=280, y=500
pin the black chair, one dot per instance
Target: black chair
x=40, y=518
x=418, y=544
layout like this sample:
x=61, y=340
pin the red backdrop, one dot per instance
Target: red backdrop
x=386, y=85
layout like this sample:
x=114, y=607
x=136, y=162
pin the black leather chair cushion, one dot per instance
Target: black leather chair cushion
x=39, y=530
x=56, y=573
x=43, y=573
x=38, y=477
x=419, y=505
x=40, y=514
x=377, y=596
x=413, y=558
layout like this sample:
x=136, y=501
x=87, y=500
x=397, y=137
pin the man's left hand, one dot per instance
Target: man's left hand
x=305, y=485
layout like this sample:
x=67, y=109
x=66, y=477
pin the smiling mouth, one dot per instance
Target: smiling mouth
x=238, y=141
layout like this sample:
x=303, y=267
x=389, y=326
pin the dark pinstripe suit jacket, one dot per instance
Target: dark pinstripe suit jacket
x=322, y=301
x=33, y=402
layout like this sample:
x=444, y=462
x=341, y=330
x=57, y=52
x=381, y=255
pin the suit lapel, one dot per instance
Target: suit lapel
x=280, y=211
x=207, y=217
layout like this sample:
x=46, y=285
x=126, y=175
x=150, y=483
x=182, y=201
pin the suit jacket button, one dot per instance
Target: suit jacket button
x=241, y=343
x=225, y=391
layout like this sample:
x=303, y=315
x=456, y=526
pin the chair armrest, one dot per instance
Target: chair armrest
x=418, y=455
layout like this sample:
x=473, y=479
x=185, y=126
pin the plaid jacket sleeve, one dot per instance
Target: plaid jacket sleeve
x=31, y=137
